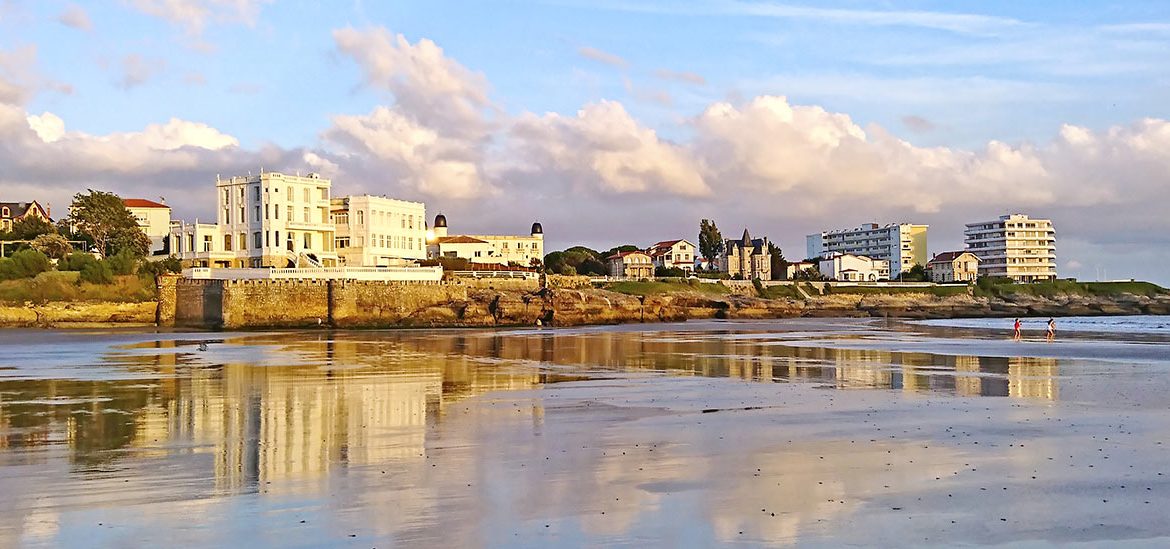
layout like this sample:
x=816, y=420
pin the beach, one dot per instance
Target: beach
x=813, y=432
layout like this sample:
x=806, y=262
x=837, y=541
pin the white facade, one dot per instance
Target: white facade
x=153, y=218
x=901, y=244
x=678, y=254
x=375, y=231
x=1014, y=246
x=485, y=248
x=854, y=268
x=267, y=220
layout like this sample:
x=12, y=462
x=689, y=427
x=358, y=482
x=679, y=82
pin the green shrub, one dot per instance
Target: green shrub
x=98, y=272
x=149, y=270
x=24, y=264
x=76, y=261
x=123, y=262
x=759, y=286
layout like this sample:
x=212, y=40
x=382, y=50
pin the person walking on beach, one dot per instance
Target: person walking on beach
x=1016, y=334
x=1051, y=330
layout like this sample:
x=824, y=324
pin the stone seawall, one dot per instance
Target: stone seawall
x=360, y=304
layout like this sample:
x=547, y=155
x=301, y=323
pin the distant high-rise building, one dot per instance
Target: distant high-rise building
x=1014, y=246
x=902, y=244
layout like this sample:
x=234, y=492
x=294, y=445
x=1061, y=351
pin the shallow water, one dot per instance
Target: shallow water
x=817, y=432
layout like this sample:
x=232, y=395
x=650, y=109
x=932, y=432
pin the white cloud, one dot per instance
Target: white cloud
x=194, y=15
x=681, y=76
x=604, y=148
x=429, y=86
x=75, y=16
x=602, y=57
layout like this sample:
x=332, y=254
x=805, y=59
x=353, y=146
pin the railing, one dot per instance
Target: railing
x=320, y=273
x=495, y=274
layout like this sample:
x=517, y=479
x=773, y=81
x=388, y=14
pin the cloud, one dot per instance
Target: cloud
x=194, y=15
x=681, y=76
x=602, y=57
x=386, y=145
x=603, y=149
x=137, y=70
x=917, y=124
x=431, y=87
x=75, y=17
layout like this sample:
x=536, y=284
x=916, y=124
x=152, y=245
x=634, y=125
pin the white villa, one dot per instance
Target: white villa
x=266, y=220
x=678, y=254
x=373, y=231
x=854, y=268
x=154, y=218
x=498, y=249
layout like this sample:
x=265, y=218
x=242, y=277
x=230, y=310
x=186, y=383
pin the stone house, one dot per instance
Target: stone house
x=635, y=264
x=746, y=258
x=954, y=267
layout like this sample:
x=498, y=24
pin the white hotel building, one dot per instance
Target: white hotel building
x=901, y=244
x=266, y=220
x=1014, y=246
x=373, y=231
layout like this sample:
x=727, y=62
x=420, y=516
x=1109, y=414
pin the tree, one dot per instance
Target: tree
x=53, y=245
x=619, y=249
x=28, y=229
x=779, y=264
x=917, y=273
x=103, y=217
x=582, y=260
x=24, y=264
x=710, y=240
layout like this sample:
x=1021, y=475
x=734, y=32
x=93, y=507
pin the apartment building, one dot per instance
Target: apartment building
x=266, y=220
x=374, y=231
x=1014, y=246
x=902, y=244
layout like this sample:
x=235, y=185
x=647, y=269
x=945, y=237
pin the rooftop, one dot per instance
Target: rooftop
x=142, y=203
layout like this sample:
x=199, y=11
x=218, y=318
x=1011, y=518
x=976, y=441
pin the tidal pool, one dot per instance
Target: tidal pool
x=801, y=431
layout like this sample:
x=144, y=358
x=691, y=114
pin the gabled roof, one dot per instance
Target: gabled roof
x=620, y=255
x=142, y=203
x=19, y=209
x=947, y=257
x=459, y=239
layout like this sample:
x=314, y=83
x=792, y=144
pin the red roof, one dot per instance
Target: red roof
x=142, y=203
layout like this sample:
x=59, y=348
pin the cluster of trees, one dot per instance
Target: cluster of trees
x=580, y=260
x=99, y=222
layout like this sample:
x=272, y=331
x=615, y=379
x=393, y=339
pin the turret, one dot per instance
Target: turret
x=440, y=226
x=537, y=230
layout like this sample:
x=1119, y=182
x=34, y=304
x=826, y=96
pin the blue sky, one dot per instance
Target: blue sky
x=951, y=80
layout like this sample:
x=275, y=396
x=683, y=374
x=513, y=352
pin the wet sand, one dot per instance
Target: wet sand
x=809, y=432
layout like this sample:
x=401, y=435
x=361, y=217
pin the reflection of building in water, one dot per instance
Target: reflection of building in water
x=365, y=403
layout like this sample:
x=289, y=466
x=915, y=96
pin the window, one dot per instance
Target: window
x=276, y=237
x=411, y=221
x=307, y=197
x=266, y=210
x=306, y=215
x=241, y=194
x=289, y=195
x=360, y=218
x=324, y=193
x=291, y=239
x=257, y=218
x=7, y=212
x=243, y=241
x=242, y=218
x=276, y=211
x=290, y=213
x=267, y=239
x=227, y=216
x=227, y=242
x=191, y=242
x=477, y=253
x=257, y=193
x=341, y=218
x=308, y=241
x=206, y=242
x=341, y=243
x=227, y=197
x=258, y=240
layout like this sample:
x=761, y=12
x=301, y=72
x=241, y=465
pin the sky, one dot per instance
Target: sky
x=617, y=121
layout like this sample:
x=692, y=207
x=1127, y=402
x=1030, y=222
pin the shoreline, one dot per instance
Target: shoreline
x=508, y=307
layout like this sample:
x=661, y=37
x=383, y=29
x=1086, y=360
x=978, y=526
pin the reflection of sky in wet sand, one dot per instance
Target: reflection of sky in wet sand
x=673, y=435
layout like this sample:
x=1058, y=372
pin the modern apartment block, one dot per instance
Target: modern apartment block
x=902, y=244
x=266, y=220
x=1014, y=246
x=373, y=231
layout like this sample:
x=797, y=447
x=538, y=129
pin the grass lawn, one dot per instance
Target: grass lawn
x=65, y=286
x=659, y=288
x=1067, y=287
